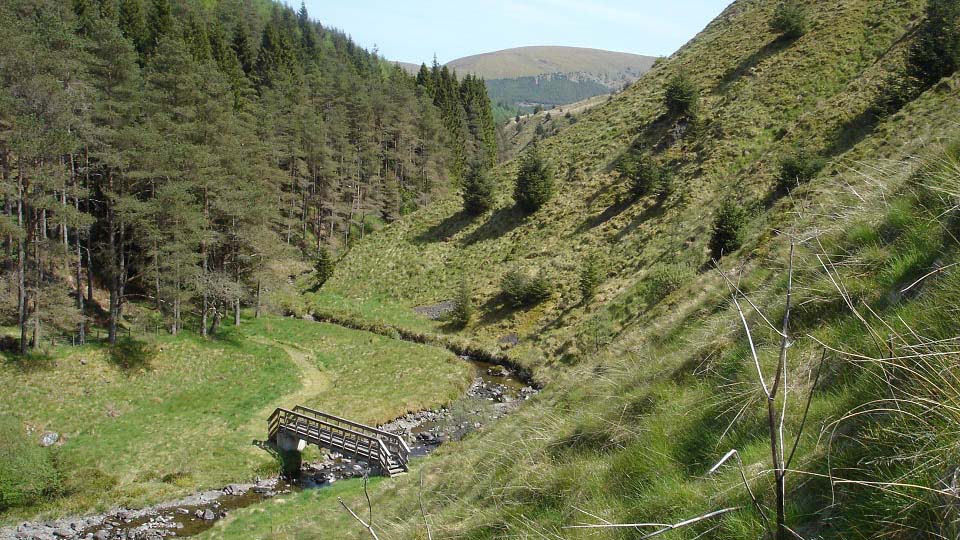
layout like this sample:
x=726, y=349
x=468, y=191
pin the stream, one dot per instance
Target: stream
x=496, y=391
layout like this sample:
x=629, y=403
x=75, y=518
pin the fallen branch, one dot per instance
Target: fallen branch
x=422, y=511
x=368, y=525
x=664, y=528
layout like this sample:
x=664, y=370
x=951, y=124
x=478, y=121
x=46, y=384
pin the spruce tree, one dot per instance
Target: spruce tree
x=463, y=307
x=590, y=278
x=478, y=189
x=790, y=19
x=535, y=179
x=159, y=23
x=936, y=52
x=323, y=267
x=645, y=176
x=728, y=228
x=133, y=24
x=682, y=95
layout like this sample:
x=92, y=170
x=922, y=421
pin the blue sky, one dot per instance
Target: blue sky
x=413, y=30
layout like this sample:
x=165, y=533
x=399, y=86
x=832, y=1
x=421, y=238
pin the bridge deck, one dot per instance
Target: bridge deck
x=388, y=450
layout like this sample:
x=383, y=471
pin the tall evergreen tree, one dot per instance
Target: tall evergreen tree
x=534, y=186
x=159, y=23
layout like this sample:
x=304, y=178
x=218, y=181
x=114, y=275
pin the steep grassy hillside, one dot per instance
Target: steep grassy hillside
x=653, y=380
x=760, y=101
x=515, y=136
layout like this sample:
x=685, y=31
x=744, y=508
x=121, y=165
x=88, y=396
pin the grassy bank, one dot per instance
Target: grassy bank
x=159, y=418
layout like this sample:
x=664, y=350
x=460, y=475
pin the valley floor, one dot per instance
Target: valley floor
x=164, y=417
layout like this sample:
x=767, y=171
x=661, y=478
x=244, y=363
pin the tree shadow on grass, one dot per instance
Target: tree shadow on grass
x=130, y=354
x=609, y=213
x=652, y=212
x=446, y=229
x=25, y=363
x=497, y=309
x=501, y=222
x=735, y=74
x=852, y=132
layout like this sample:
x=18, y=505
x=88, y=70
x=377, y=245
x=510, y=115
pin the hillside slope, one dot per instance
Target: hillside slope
x=652, y=380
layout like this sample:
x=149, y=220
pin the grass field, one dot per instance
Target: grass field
x=183, y=414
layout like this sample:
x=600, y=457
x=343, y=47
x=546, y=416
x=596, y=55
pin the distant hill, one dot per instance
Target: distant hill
x=532, y=61
x=521, y=79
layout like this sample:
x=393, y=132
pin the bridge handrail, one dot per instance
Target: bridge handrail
x=279, y=419
x=400, y=445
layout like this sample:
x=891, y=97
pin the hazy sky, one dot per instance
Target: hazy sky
x=413, y=30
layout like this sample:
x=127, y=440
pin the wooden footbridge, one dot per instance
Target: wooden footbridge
x=294, y=429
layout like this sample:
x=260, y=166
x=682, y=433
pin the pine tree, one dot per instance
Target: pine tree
x=133, y=25
x=323, y=267
x=590, y=278
x=682, y=95
x=159, y=23
x=534, y=185
x=478, y=189
x=936, y=52
x=463, y=307
x=117, y=85
x=790, y=19
x=728, y=229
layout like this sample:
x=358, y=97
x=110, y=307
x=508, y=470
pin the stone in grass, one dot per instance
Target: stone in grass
x=49, y=438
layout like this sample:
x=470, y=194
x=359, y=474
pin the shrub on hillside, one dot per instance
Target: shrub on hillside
x=934, y=54
x=645, y=175
x=798, y=168
x=665, y=278
x=728, y=229
x=523, y=290
x=896, y=92
x=591, y=275
x=463, y=307
x=534, y=187
x=27, y=472
x=936, y=51
x=790, y=19
x=682, y=95
x=478, y=189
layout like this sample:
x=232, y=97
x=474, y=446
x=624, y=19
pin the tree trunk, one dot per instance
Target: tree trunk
x=86, y=169
x=36, y=292
x=217, y=318
x=236, y=312
x=175, y=329
x=89, y=272
x=21, y=261
x=259, y=293
x=205, y=256
x=82, y=327
x=115, y=258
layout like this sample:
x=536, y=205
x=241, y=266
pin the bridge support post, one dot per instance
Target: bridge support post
x=290, y=453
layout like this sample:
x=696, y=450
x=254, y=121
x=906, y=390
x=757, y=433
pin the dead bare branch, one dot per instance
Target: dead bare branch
x=664, y=528
x=368, y=525
x=423, y=512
